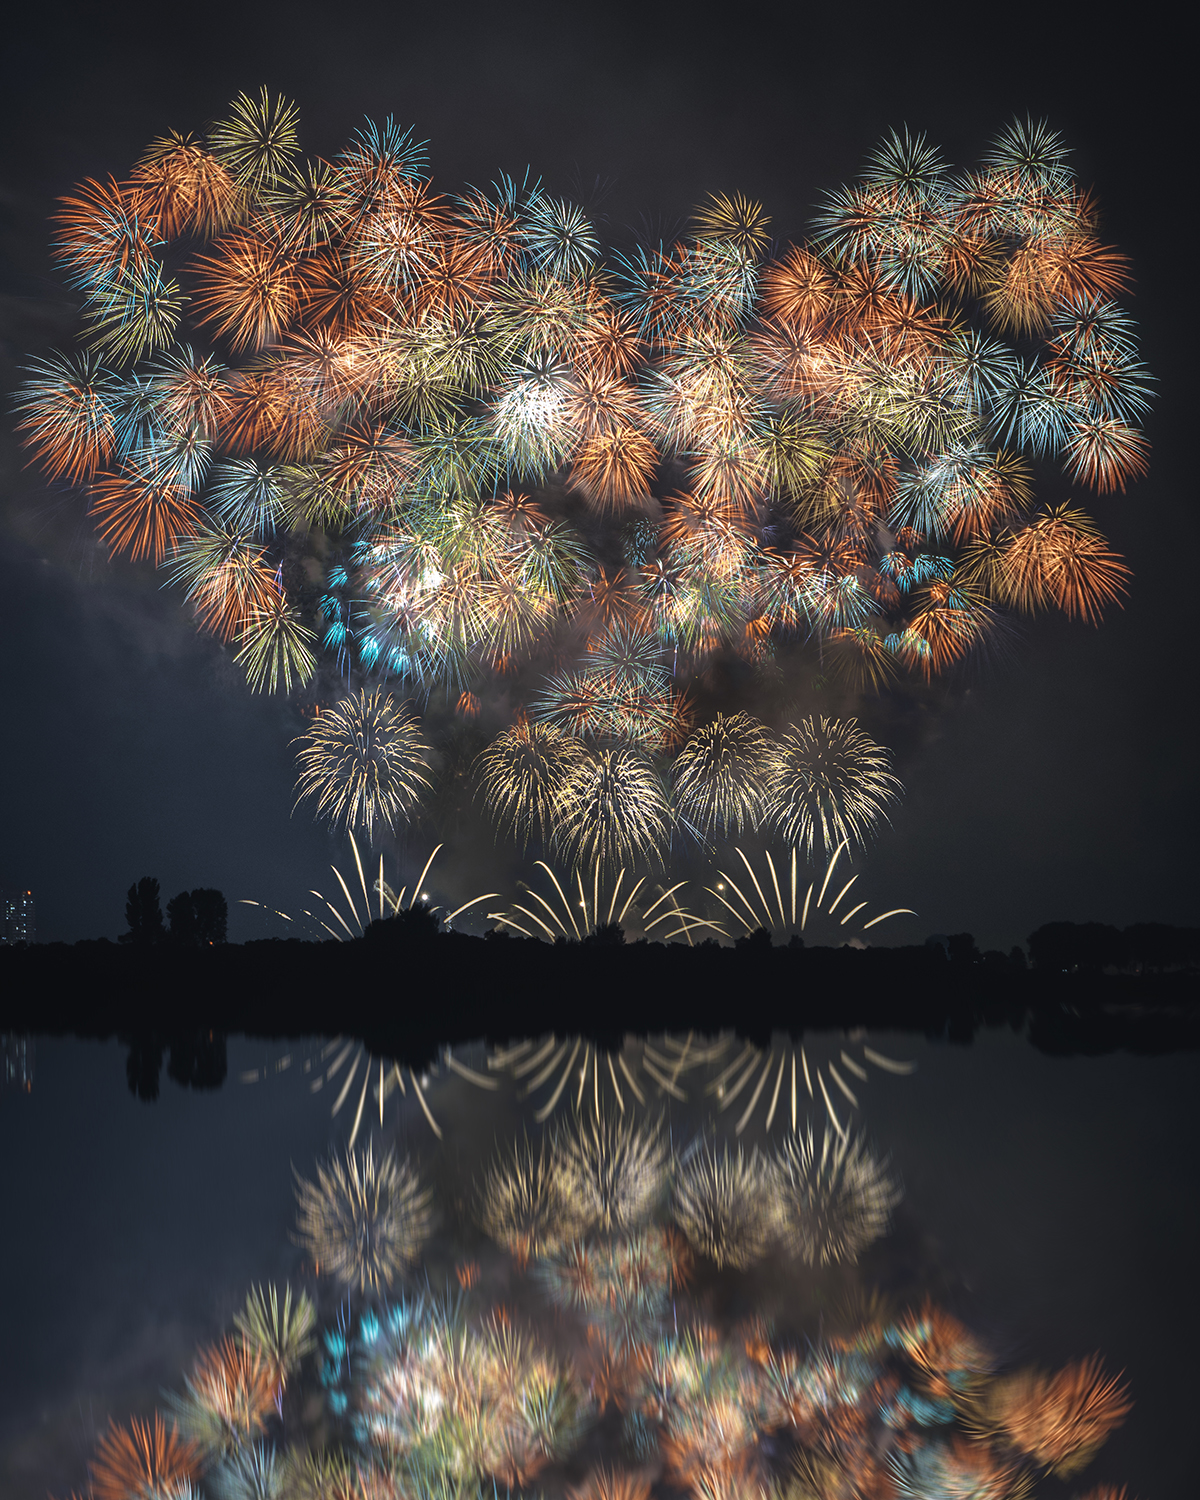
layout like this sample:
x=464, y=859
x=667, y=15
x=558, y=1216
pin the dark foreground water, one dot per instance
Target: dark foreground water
x=1051, y=1205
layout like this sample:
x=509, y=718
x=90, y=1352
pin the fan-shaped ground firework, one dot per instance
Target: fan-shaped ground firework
x=725, y=1204
x=365, y=761
x=364, y=1220
x=593, y=910
x=835, y=1200
x=773, y=899
x=613, y=1171
x=523, y=1202
x=830, y=781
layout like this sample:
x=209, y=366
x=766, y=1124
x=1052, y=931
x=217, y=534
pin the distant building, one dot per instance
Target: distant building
x=18, y=919
x=16, y=1062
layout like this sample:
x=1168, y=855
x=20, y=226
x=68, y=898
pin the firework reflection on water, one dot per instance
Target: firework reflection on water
x=631, y=1355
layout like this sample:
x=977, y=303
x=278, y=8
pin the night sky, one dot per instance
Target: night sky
x=1057, y=783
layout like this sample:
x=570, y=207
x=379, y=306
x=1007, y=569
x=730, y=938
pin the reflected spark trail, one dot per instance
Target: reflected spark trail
x=783, y=1074
x=389, y=1078
x=644, y=1067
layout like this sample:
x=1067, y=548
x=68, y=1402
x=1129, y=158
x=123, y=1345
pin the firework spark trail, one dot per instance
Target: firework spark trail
x=347, y=422
x=771, y=903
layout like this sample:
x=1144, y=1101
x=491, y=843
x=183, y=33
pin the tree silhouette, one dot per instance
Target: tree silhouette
x=211, y=913
x=181, y=915
x=198, y=917
x=143, y=914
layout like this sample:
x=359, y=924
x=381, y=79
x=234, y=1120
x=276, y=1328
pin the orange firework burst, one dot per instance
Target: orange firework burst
x=146, y=1456
x=103, y=239
x=1107, y=453
x=228, y=1397
x=1062, y=559
x=950, y=1359
x=229, y=582
x=614, y=466
x=142, y=509
x=1058, y=1420
x=247, y=286
x=612, y=1484
x=184, y=188
x=947, y=624
x=68, y=416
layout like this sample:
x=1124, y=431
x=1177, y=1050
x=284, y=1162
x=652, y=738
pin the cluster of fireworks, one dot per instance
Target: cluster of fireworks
x=823, y=782
x=822, y=1203
x=366, y=1220
x=604, y=803
x=424, y=1396
x=581, y=1356
x=451, y=443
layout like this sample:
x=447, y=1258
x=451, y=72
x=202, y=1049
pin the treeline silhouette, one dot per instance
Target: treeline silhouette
x=193, y=917
x=408, y=988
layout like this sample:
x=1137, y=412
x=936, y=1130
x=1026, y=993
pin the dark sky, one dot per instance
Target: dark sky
x=1057, y=784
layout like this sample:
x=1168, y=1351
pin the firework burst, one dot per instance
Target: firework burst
x=146, y=1457
x=834, y=1201
x=365, y=761
x=228, y=1398
x=622, y=1285
x=830, y=783
x=1057, y=1420
x=725, y=1205
x=278, y=1330
x=720, y=776
x=445, y=1402
x=523, y=1202
x=522, y=776
x=364, y=1220
x=613, y=1171
x=614, y=810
